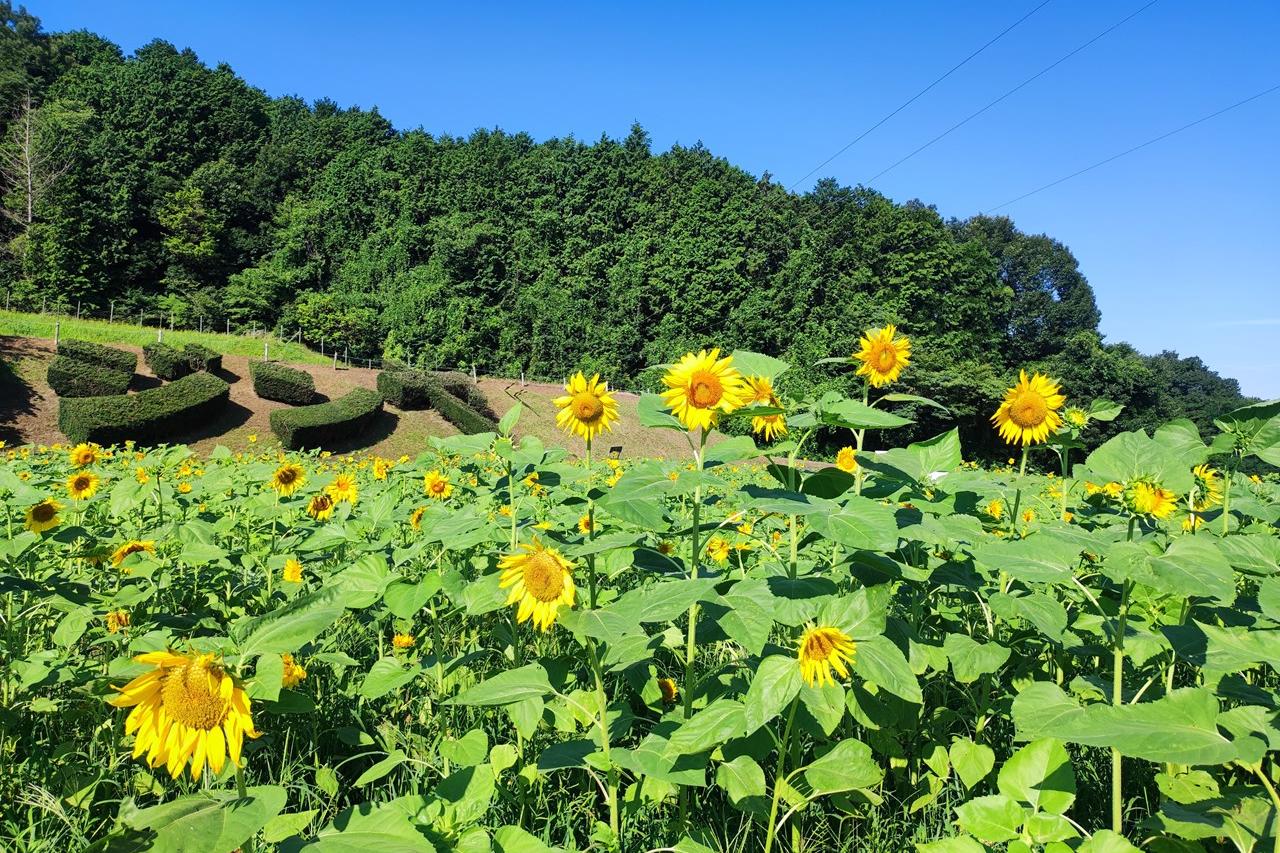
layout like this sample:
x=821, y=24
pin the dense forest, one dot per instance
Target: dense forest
x=159, y=183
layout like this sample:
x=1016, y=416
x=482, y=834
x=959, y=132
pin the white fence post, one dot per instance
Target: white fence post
x=77, y=309
x=265, y=351
x=57, y=332
x=113, y=312
x=160, y=333
x=474, y=379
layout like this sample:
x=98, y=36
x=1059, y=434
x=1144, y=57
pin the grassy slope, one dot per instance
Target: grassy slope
x=28, y=407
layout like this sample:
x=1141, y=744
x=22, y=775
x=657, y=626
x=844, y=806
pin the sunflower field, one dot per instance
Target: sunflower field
x=500, y=646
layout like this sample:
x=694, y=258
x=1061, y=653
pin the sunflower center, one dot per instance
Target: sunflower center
x=587, y=406
x=705, y=389
x=437, y=487
x=286, y=476
x=1028, y=409
x=191, y=696
x=819, y=646
x=543, y=577
x=884, y=357
x=81, y=483
x=43, y=512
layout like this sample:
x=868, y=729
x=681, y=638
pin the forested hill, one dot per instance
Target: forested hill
x=164, y=184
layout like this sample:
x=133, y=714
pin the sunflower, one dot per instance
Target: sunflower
x=140, y=474
x=288, y=478
x=84, y=454
x=1029, y=413
x=667, y=688
x=821, y=650
x=883, y=354
x=585, y=525
x=718, y=549
x=587, y=408
x=187, y=709
x=133, y=546
x=1208, y=488
x=437, y=486
x=702, y=387
x=82, y=486
x=415, y=518
x=294, y=672
x=320, y=507
x=292, y=571
x=1077, y=417
x=343, y=488
x=43, y=516
x=117, y=619
x=1147, y=497
x=380, y=468
x=541, y=579
x=847, y=459
x=770, y=426
x=403, y=640
x=995, y=508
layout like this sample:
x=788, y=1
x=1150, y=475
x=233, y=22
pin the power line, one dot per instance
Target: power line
x=917, y=95
x=1128, y=151
x=1024, y=83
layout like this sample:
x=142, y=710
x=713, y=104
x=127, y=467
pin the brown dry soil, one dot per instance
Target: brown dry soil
x=29, y=409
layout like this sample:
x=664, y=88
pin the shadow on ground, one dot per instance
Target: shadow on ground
x=17, y=396
x=381, y=428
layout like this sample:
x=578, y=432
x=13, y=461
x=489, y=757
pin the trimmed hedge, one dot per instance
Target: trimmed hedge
x=166, y=362
x=202, y=358
x=69, y=377
x=405, y=389
x=461, y=386
x=416, y=389
x=154, y=415
x=92, y=353
x=315, y=426
x=283, y=384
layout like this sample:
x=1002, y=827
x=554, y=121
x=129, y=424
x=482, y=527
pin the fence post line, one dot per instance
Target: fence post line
x=113, y=312
x=265, y=351
x=346, y=356
x=57, y=332
x=77, y=309
x=335, y=359
x=160, y=333
x=474, y=379
x=6, y=300
x=44, y=300
x=228, y=325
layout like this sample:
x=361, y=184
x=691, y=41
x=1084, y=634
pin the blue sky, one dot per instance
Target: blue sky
x=1179, y=240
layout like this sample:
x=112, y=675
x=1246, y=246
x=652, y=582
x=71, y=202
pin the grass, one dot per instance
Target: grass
x=25, y=325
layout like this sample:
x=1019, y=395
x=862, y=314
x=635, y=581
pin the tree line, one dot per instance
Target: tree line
x=165, y=185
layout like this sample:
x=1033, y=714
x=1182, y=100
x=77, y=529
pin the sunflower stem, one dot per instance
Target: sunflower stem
x=694, y=559
x=778, y=777
x=1017, y=495
x=1117, y=698
x=591, y=532
x=598, y=671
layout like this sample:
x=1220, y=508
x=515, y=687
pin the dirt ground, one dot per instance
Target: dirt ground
x=29, y=409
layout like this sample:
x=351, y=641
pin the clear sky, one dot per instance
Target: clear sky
x=1179, y=240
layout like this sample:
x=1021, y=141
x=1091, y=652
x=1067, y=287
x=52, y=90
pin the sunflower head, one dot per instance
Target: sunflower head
x=1147, y=497
x=847, y=459
x=43, y=516
x=882, y=353
x=587, y=408
x=320, y=506
x=770, y=426
x=293, y=671
x=415, y=518
x=995, y=508
x=403, y=640
x=84, y=454
x=133, y=546
x=702, y=387
x=540, y=579
x=343, y=488
x=668, y=690
x=437, y=486
x=82, y=485
x=292, y=571
x=117, y=620
x=1029, y=412
x=187, y=709
x=821, y=650
x=1208, y=492
x=719, y=549
x=288, y=478
x=585, y=524
x=1077, y=417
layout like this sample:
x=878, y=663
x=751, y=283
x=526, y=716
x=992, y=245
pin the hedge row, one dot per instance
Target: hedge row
x=69, y=377
x=283, y=384
x=154, y=415
x=415, y=389
x=461, y=386
x=315, y=426
x=166, y=362
x=202, y=358
x=125, y=362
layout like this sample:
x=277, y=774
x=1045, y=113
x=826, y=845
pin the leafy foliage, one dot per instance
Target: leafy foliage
x=272, y=381
x=324, y=423
x=69, y=377
x=149, y=415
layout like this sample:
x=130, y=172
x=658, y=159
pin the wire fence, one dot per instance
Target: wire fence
x=121, y=314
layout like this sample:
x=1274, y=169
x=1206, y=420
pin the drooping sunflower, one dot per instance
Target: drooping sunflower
x=133, y=546
x=883, y=353
x=718, y=549
x=668, y=690
x=83, y=485
x=541, y=580
x=43, y=516
x=437, y=486
x=847, y=459
x=83, y=454
x=702, y=387
x=1029, y=412
x=762, y=394
x=292, y=571
x=1208, y=488
x=320, y=506
x=343, y=488
x=116, y=620
x=294, y=672
x=1149, y=498
x=821, y=650
x=587, y=408
x=380, y=468
x=187, y=709
x=415, y=518
x=288, y=478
